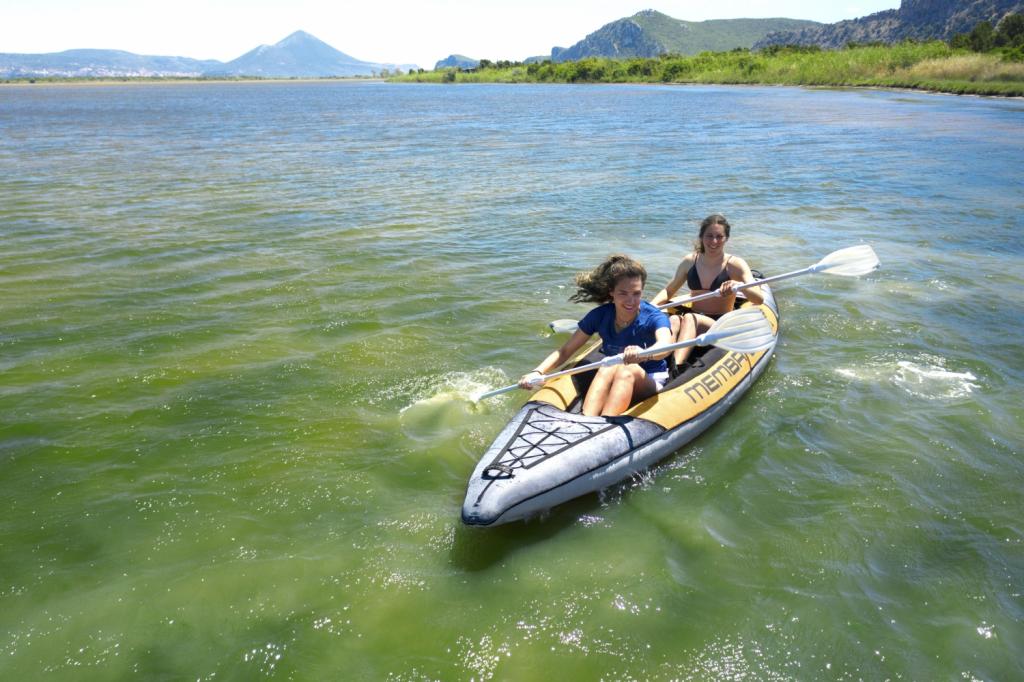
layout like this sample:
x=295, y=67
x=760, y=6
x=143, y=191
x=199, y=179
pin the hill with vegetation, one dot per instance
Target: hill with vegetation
x=914, y=20
x=458, y=61
x=651, y=33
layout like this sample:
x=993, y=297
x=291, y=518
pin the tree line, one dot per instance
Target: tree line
x=1006, y=38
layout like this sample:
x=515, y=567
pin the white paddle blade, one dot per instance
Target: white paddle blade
x=746, y=331
x=563, y=326
x=490, y=394
x=849, y=262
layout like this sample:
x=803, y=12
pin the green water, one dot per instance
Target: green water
x=240, y=323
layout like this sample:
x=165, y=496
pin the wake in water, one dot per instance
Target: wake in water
x=924, y=377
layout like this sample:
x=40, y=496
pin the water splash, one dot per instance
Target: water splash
x=933, y=381
x=445, y=406
x=922, y=377
x=455, y=387
x=986, y=631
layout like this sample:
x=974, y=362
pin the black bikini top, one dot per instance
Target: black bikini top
x=693, y=277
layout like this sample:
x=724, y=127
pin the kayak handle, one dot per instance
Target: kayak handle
x=503, y=469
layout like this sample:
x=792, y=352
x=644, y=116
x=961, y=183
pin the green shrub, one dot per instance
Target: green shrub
x=1010, y=32
x=1012, y=54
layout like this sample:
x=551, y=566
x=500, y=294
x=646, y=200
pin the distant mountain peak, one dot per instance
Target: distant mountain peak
x=299, y=34
x=299, y=37
x=457, y=60
x=302, y=55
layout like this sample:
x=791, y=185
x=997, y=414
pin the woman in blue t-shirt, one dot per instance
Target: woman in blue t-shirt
x=626, y=324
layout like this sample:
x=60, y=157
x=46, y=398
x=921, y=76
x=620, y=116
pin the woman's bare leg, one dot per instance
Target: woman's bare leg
x=691, y=325
x=687, y=330
x=597, y=394
x=630, y=384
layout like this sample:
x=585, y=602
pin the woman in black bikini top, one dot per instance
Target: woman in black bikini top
x=709, y=257
x=693, y=277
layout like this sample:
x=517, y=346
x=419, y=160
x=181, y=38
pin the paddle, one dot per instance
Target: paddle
x=852, y=261
x=745, y=330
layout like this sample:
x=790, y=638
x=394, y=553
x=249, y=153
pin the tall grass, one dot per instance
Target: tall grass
x=932, y=66
x=973, y=67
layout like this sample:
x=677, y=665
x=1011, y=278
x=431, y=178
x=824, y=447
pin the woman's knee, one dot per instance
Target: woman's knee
x=606, y=375
x=688, y=323
x=624, y=373
x=630, y=376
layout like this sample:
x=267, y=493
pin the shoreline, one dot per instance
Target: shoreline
x=143, y=80
x=808, y=86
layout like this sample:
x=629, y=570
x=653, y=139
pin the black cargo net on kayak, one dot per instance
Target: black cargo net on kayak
x=541, y=436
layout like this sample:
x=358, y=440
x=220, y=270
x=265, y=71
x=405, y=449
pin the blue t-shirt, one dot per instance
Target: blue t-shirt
x=640, y=333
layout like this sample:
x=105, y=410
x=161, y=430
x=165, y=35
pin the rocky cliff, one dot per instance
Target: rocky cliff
x=915, y=19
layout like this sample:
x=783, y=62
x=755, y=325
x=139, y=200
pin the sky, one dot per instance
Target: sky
x=419, y=32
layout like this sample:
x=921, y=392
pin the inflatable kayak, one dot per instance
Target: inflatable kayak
x=550, y=453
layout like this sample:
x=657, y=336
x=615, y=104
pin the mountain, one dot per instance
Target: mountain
x=915, y=19
x=300, y=55
x=650, y=33
x=458, y=61
x=99, y=63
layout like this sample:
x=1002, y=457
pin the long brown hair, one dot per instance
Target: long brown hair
x=596, y=286
x=713, y=219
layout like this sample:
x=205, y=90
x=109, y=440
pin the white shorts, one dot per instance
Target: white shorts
x=660, y=379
